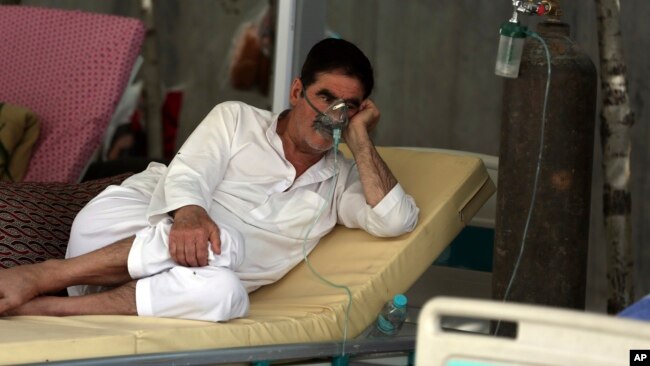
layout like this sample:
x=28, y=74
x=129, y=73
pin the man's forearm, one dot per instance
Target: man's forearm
x=376, y=178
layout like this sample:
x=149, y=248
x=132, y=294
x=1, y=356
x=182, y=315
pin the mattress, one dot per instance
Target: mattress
x=448, y=188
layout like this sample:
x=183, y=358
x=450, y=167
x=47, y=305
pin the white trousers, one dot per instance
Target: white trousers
x=164, y=288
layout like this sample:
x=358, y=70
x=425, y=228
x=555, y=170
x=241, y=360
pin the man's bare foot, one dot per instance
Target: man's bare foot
x=18, y=285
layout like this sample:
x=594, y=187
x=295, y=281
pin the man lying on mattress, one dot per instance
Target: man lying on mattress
x=233, y=209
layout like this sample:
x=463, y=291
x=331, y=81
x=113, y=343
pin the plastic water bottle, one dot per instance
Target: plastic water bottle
x=392, y=316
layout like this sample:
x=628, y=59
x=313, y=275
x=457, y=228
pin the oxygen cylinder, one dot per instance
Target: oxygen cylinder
x=553, y=267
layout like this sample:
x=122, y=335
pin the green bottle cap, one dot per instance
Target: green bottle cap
x=514, y=30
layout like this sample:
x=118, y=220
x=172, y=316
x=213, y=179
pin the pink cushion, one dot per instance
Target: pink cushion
x=70, y=68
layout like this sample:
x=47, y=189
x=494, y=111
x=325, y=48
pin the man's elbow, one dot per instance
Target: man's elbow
x=395, y=227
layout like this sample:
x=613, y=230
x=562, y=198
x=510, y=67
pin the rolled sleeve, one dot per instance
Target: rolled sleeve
x=396, y=214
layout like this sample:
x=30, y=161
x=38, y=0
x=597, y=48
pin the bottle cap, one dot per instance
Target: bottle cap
x=400, y=300
x=514, y=30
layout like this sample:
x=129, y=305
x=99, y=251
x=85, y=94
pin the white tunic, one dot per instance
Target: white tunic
x=233, y=165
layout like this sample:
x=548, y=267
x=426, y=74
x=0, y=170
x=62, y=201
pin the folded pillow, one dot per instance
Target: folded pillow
x=35, y=218
x=19, y=130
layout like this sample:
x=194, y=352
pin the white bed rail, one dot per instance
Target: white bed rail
x=545, y=336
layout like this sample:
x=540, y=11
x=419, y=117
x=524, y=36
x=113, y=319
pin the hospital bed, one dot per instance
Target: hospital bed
x=297, y=313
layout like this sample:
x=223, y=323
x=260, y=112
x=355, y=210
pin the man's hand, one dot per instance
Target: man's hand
x=361, y=124
x=191, y=233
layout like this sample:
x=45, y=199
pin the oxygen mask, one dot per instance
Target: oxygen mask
x=335, y=117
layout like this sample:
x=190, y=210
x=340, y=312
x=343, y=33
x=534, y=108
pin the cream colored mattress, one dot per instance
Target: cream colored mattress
x=449, y=189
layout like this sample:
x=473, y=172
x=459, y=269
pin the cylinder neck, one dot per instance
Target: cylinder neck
x=552, y=28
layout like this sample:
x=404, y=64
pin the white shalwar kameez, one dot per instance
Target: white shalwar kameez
x=233, y=165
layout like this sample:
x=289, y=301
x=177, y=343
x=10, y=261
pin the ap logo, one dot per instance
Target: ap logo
x=639, y=357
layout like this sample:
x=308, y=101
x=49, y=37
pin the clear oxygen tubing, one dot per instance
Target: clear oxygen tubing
x=537, y=170
x=336, y=134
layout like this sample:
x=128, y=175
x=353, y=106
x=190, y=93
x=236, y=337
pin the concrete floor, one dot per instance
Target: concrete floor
x=448, y=281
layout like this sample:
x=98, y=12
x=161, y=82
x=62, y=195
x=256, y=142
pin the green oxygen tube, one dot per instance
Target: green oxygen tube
x=336, y=134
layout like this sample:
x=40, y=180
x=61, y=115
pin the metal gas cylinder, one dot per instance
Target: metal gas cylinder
x=553, y=268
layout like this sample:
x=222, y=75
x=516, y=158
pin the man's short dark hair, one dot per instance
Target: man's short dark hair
x=333, y=54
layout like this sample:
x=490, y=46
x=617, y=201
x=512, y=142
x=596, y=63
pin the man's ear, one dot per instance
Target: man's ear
x=295, y=92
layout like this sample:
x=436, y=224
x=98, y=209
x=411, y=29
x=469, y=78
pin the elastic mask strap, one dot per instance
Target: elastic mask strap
x=304, y=93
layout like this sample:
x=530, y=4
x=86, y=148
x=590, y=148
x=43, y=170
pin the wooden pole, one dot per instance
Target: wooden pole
x=152, y=84
x=616, y=120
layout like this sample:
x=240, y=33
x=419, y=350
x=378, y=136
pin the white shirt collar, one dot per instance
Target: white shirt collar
x=322, y=170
